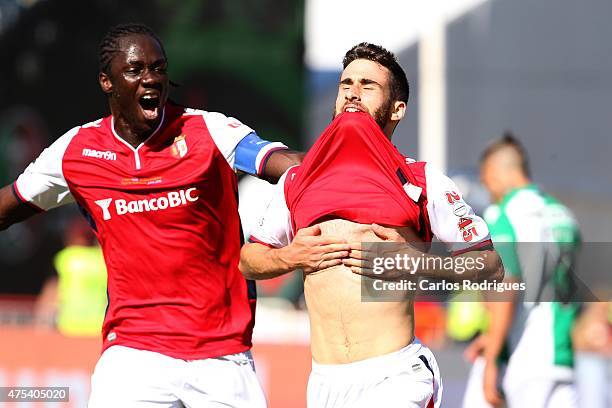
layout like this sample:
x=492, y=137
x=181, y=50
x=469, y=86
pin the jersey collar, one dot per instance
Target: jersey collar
x=514, y=192
x=159, y=126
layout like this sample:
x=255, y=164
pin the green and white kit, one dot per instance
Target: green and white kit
x=537, y=238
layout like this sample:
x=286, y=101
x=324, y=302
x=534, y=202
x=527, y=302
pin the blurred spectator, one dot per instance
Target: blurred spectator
x=467, y=317
x=74, y=301
x=26, y=248
x=23, y=135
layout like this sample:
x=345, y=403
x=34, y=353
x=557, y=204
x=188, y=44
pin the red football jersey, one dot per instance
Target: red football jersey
x=353, y=172
x=166, y=216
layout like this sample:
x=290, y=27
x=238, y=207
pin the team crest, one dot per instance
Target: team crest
x=179, y=147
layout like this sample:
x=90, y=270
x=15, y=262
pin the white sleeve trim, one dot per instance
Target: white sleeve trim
x=226, y=132
x=273, y=226
x=42, y=183
x=452, y=220
x=263, y=153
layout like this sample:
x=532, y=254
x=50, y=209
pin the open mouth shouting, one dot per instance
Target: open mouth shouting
x=149, y=104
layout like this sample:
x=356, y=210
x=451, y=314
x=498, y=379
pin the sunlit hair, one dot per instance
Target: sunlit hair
x=400, y=88
x=109, y=45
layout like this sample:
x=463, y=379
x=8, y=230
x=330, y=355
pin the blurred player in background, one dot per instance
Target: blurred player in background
x=157, y=183
x=74, y=300
x=537, y=238
x=364, y=353
x=592, y=338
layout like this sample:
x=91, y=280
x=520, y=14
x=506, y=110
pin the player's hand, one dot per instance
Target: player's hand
x=311, y=252
x=361, y=257
x=368, y=259
x=475, y=348
x=387, y=234
x=491, y=393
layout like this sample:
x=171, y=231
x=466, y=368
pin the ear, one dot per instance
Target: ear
x=398, y=111
x=105, y=83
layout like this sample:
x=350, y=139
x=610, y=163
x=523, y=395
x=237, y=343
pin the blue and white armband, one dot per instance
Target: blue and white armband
x=252, y=153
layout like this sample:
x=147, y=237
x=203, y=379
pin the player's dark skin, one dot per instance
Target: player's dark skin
x=138, y=69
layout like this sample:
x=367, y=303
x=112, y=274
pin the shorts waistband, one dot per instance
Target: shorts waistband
x=369, y=364
x=237, y=357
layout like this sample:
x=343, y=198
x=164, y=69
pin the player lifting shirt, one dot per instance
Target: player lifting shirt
x=364, y=353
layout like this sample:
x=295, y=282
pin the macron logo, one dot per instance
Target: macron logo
x=171, y=200
x=99, y=154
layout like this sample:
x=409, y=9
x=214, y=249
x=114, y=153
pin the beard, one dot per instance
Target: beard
x=381, y=115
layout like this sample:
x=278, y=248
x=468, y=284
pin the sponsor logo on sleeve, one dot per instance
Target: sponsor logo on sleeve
x=467, y=228
x=461, y=210
x=452, y=197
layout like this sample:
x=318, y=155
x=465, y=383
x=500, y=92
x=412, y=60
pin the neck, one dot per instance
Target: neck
x=519, y=182
x=389, y=129
x=134, y=134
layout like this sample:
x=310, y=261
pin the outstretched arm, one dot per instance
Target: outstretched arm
x=279, y=161
x=308, y=251
x=264, y=159
x=12, y=210
x=41, y=187
x=474, y=265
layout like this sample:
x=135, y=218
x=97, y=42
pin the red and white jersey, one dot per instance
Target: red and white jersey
x=354, y=172
x=451, y=219
x=166, y=216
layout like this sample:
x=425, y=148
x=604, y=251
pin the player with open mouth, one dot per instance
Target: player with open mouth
x=180, y=315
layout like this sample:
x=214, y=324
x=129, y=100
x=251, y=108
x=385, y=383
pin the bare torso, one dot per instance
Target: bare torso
x=343, y=327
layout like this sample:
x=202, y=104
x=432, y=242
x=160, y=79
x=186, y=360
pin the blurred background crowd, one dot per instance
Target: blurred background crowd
x=477, y=68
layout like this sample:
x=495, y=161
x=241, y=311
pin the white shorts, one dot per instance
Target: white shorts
x=521, y=388
x=127, y=377
x=408, y=378
x=474, y=389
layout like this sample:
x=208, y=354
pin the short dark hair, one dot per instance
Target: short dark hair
x=109, y=45
x=400, y=89
x=508, y=141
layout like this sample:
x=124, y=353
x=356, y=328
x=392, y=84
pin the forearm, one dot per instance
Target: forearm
x=258, y=262
x=501, y=315
x=11, y=209
x=473, y=265
x=279, y=162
